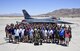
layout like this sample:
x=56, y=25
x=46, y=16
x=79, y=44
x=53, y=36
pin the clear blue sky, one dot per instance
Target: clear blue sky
x=35, y=7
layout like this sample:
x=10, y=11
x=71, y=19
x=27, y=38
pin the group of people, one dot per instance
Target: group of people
x=38, y=33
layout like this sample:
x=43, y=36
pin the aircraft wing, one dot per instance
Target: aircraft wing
x=63, y=22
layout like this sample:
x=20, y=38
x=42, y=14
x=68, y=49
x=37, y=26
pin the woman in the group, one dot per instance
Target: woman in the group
x=67, y=35
x=61, y=35
x=7, y=31
x=56, y=35
x=12, y=32
x=69, y=30
x=26, y=35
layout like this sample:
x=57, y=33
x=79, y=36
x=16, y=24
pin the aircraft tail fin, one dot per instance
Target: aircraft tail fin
x=26, y=15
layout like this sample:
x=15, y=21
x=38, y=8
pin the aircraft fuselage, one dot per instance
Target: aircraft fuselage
x=41, y=20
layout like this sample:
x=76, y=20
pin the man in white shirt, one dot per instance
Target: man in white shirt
x=17, y=31
x=50, y=32
x=45, y=35
x=31, y=34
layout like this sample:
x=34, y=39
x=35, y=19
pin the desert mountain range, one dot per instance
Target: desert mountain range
x=74, y=12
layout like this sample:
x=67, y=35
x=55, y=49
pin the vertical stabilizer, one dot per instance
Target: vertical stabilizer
x=26, y=15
